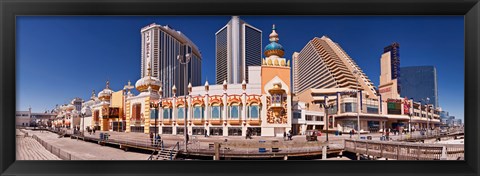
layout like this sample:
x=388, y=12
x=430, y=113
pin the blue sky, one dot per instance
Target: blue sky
x=59, y=58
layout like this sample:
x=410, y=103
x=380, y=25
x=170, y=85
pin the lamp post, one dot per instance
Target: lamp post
x=184, y=59
x=428, y=119
x=327, y=107
x=154, y=106
x=83, y=113
x=410, y=122
x=355, y=72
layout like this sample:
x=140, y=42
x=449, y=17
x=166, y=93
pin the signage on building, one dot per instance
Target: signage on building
x=388, y=89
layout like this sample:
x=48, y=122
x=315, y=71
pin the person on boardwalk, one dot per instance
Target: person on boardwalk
x=284, y=135
x=158, y=139
x=290, y=135
x=151, y=137
x=94, y=130
x=351, y=133
x=205, y=133
x=387, y=134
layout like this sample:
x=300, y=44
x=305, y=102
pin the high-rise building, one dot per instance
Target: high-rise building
x=420, y=82
x=322, y=63
x=389, y=86
x=238, y=46
x=160, y=47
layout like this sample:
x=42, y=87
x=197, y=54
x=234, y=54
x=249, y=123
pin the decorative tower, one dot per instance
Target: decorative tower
x=275, y=76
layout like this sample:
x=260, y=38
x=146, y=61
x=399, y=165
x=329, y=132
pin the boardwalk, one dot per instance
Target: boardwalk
x=29, y=149
x=405, y=151
x=81, y=150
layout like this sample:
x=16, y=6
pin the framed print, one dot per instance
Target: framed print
x=239, y=87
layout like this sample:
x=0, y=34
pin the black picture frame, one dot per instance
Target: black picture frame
x=9, y=9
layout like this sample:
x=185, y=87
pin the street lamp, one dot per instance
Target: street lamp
x=83, y=113
x=427, y=109
x=154, y=106
x=184, y=59
x=355, y=72
x=327, y=107
x=410, y=122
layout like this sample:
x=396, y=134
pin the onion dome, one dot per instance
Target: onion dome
x=148, y=81
x=274, y=48
x=106, y=93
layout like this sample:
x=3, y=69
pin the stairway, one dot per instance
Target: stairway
x=167, y=154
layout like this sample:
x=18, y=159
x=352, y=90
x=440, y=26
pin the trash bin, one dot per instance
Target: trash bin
x=275, y=149
x=262, y=150
x=362, y=137
x=336, y=133
x=106, y=136
x=101, y=136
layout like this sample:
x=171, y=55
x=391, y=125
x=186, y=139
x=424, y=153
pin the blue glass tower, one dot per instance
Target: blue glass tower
x=420, y=82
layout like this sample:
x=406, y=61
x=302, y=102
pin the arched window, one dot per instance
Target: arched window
x=253, y=111
x=216, y=111
x=167, y=113
x=197, y=112
x=180, y=112
x=233, y=111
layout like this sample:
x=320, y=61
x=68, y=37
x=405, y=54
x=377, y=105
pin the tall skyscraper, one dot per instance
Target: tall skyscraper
x=160, y=47
x=322, y=63
x=389, y=86
x=420, y=82
x=238, y=45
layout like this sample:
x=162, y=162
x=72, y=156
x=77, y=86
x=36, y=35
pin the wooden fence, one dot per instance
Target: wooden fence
x=405, y=151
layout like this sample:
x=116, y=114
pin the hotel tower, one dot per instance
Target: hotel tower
x=322, y=64
x=238, y=46
x=160, y=47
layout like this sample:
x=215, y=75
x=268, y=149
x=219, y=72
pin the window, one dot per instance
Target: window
x=349, y=107
x=216, y=131
x=215, y=112
x=372, y=109
x=153, y=114
x=167, y=114
x=166, y=130
x=180, y=130
x=198, y=112
x=233, y=112
x=180, y=112
x=235, y=131
x=198, y=131
x=253, y=112
x=276, y=100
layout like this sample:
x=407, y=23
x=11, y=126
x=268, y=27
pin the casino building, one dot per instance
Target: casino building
x=263, y=106
x=324, y=74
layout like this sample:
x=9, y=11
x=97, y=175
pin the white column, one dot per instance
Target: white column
x=224, y=114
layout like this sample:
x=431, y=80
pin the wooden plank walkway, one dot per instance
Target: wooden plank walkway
x=404, y=150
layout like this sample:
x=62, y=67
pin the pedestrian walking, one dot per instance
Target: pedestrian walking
x=290, y=135
x=94, y=130
x=351, y=133
x=205, y=133
x=158, y=139
x=387, y=134
x=284, y=135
